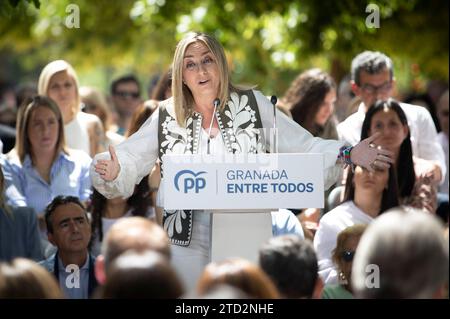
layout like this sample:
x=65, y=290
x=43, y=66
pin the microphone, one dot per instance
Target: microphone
x=216, y=104
x=274, y=100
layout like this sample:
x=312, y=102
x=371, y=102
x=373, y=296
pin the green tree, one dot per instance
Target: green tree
x=267, y=42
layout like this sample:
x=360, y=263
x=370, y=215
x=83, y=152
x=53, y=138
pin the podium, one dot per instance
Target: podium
x=240, y=191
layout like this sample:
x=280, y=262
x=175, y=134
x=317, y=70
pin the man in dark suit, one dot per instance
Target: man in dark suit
x=69, y=230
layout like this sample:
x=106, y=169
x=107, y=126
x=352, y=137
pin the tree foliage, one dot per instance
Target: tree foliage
x=267, y=42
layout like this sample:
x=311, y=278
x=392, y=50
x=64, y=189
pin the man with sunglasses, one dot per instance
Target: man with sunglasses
x=373, y=79
x=126, y=97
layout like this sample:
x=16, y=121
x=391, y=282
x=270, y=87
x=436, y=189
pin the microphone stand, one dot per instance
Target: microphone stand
x=216, y=104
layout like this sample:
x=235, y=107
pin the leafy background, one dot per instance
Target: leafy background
x=267, y=42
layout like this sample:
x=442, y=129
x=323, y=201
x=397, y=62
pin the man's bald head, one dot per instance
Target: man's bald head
x=135, y=233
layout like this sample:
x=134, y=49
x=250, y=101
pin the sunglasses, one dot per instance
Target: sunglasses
x=348, y=255
x=125, y=94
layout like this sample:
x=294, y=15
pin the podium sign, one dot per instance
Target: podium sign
x=243, y=181
x=239, y=234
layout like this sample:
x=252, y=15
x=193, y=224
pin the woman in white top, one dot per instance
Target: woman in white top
x=83, y=131
x=367, y=195
x=193, y=122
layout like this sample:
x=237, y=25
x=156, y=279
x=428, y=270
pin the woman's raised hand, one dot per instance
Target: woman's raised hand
x=366, y=155
x=108, y=169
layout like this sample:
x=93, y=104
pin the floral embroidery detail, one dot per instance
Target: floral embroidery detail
x=173, y=221
x=243, y=135
x=177, y=140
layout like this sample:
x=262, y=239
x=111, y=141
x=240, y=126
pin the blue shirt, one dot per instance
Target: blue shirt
x=75, y=282
x=75, y=287
x=69, y=175
x=12, y=195
x=284, y=222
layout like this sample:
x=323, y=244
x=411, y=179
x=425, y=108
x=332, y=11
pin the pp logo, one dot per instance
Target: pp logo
x=190, y=181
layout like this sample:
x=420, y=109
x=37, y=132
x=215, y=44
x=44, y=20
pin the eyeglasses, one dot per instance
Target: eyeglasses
x=348, y=256
x=125, y=94
x=373, y=89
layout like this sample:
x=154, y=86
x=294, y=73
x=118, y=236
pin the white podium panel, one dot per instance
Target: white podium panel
x=263, y=181
x=240, y=191
x=239, y=234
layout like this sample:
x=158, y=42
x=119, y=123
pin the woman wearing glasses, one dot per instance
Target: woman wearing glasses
x=346, y=244
x=83, y=131
x=367, y=195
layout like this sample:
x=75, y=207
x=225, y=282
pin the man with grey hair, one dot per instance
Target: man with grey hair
x=402, y=254
x=372, y=79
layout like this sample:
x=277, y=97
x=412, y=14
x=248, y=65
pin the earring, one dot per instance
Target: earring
x=342, y=278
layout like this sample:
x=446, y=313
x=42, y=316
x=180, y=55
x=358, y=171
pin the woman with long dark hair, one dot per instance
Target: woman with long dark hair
x=310, y=100
x=367, y=195
x=388, y=118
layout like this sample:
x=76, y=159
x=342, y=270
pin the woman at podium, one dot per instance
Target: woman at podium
x=207, y=114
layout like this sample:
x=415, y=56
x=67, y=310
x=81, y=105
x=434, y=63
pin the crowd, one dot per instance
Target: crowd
x=81, y=207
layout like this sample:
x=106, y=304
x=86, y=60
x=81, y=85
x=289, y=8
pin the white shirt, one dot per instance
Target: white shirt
x=284, y=222
x=76, y=132
x=330, y=225
x=443, y=141
x=423, y=132
x=138, y=154
x=113, y=138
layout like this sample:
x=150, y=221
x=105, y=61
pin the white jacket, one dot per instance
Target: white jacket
x=139, y=152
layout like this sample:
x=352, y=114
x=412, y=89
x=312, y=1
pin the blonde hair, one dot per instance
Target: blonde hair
x=50, y=70
x=23, y=143
x=182, y=96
